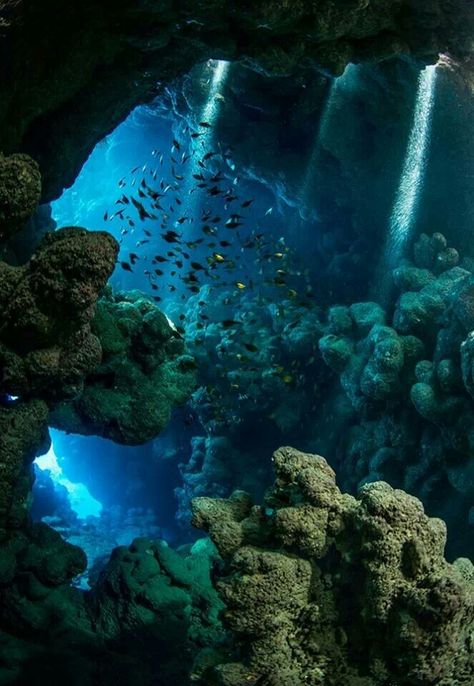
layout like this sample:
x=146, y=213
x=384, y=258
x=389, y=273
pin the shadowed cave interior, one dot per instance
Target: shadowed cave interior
x=222, y=235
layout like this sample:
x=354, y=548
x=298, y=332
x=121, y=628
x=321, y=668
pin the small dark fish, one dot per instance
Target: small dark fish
x=176, y=144
x=199, y=177
x=170, y=237
x=247, y=203
x=196, y=135
x=133, y=257
x=251, y=347
x=197, y=266
x=159, y=272
x=157, y=298
x=126, y=266
x=227, y=323
x=232, y=224
x=159, y=258
x=205, y=124
x=106, y=216
x=225, y=244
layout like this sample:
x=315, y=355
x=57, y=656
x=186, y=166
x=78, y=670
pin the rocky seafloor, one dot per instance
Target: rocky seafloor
x=366, y=584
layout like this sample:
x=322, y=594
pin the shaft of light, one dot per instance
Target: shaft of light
x=309, y=180
x=406, y=201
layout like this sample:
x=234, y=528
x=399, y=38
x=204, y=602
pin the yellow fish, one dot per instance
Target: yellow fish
x=240, y=285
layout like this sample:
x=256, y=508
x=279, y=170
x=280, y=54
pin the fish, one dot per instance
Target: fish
x=227, y=323
x=246, y=203
x=176, y=144
x=240, y=285
x=126, y=266
x=197, y=266
x=170, y=237
x=232, y=224
x=205, y=124
x=251, y=347
x=106, y=216
x=269, y=211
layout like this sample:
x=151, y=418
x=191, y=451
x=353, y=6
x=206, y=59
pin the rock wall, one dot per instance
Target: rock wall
x=65, y=67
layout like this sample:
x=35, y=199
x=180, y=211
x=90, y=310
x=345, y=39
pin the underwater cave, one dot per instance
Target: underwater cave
x=226, y=230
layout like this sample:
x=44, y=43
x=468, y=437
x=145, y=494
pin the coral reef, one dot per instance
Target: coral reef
x=46, y=345
x=409, y=383
x=259, y=382
x=148, y=601
x=292, y=566
x=143, y=376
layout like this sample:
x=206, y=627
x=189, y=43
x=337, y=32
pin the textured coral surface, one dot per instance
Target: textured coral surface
x=324, y=588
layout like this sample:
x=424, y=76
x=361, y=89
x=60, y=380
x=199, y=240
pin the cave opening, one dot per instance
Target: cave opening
x=215, y=236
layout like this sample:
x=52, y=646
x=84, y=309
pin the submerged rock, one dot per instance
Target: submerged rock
x=46, y=344
x=20, y=192
x=144, y=374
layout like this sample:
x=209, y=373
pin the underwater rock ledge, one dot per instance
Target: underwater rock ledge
x=323, y=588
x=144, y=373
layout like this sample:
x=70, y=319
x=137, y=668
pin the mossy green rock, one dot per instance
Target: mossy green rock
x=145, y=373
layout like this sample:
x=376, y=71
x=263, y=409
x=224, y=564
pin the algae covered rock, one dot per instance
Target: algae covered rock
x=23, y=430
x=144, y=374
x=46, y=344
x=373, y=602
x=20, y=191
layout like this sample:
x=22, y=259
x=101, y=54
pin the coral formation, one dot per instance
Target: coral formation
x=22, y=433
x=293, y=564
x=409, y=383
x=144, y=374
x=150, y=601
x=20, y=192
x=46, y=345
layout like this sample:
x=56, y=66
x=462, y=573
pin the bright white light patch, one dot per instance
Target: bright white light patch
x=82, y=502
x=405, y=206
x=408, y=193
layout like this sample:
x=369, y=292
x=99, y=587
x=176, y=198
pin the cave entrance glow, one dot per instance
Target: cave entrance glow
x=83, y=504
